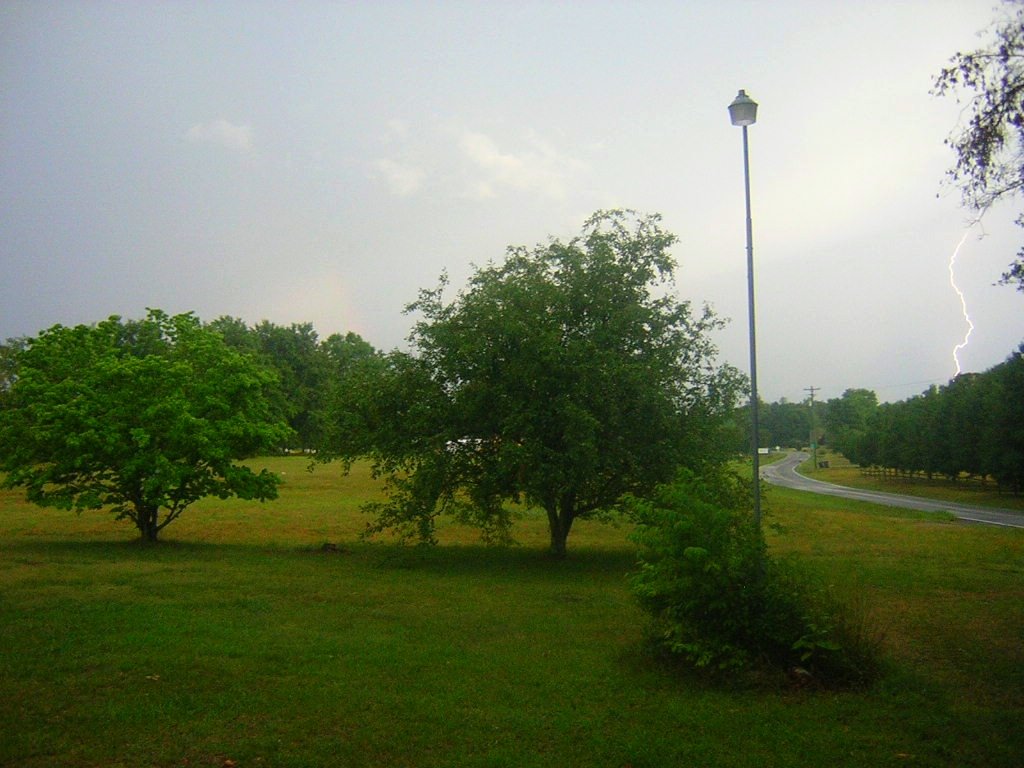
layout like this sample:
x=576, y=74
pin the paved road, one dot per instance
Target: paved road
x=784, y=473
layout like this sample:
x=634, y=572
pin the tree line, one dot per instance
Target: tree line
x=972, y=426
x=304, y=364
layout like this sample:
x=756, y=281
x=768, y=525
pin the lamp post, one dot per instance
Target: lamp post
x=743, y=112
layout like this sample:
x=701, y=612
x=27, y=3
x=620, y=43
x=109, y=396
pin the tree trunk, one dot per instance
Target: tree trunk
x=146, y=521
x=559, y=523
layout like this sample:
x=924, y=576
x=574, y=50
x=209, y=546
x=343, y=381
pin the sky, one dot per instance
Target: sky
x=323, y=162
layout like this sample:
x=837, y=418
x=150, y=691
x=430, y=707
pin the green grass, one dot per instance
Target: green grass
x=965, y=491
x=240, y=640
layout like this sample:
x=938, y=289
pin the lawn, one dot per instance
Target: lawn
x=964, y=490
x=241, y=640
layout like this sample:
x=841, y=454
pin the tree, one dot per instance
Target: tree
x=846, y=421
x=8, y=366
x=295, y=354
x=1004, y=436
x=565, y=377
x=236, y=333
x=345, y=351
x=787, y=424
x=137, y=416
x=305, y=365
x=990, y=145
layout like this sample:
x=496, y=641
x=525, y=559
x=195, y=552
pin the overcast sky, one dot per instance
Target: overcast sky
x=321, y=162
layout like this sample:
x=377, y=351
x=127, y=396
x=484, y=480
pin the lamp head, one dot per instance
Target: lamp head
x=743, y=110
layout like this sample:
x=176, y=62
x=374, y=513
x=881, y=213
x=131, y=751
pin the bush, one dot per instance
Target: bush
x=720, y=603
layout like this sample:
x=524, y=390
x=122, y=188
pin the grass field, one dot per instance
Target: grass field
x=241, y=641
x=966, y=491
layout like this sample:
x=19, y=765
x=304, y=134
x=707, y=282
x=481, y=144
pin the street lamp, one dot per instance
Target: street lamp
x=743, y=112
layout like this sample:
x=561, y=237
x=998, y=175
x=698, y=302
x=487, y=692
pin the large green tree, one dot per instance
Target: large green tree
x=566, y=376
x=989, y=143
x=144, y=417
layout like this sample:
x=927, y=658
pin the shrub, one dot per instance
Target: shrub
x=721, y=603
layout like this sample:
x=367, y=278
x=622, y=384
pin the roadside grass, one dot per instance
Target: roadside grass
x=241, y=640
x=964, y=491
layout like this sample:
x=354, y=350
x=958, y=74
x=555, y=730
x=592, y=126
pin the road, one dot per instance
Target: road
x=783, y=473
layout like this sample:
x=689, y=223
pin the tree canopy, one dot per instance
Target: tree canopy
x=847, y=417
x=974, y=426
x=564, y=377
x=305, y=364
x=989, y=144
x=138, y=416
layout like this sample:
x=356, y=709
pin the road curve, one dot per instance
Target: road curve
x=783, y=473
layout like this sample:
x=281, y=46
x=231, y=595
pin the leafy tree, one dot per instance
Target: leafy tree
x=990, y=145
x=564, y=377
x=974, y=425
x=294, y=352
x=236, y=333
x=8, y=366
x=787, y=424
x=138, y=416
x=306, y=366
x=345, y=351
x=961, y=423
x=846, y=421
x=1003, y=441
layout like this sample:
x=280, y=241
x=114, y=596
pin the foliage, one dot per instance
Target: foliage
x=846, y=420
x=990, y=146
x=783, y=423
x=306, y=365
x=564, y=377
x=9, y=352
x=137, y=416
x=974, y=425
x=786, y=424
x=721, y=603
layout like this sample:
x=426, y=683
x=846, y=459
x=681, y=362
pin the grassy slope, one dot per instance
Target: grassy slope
x=239, y=639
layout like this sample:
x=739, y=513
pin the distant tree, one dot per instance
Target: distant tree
x=962, y=421
x=974, y=425
x=9, y=352
x=931, y=431
x=235, y=332
x=741, y=426
x=345, y=351
x=788, y=424
x=294, y=351
x=1003, y=440
x=990, y=145
x=847, y=419
x=565, y=377
x=142, y=417
x=308, y=367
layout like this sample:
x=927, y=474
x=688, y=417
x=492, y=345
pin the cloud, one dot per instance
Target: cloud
x=539, y=169
x=222, y=133
x=403, y=180
x=397, y=129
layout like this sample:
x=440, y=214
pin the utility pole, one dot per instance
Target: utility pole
x=814, y=441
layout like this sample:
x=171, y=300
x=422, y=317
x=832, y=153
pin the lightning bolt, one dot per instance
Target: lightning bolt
x=963, y=300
